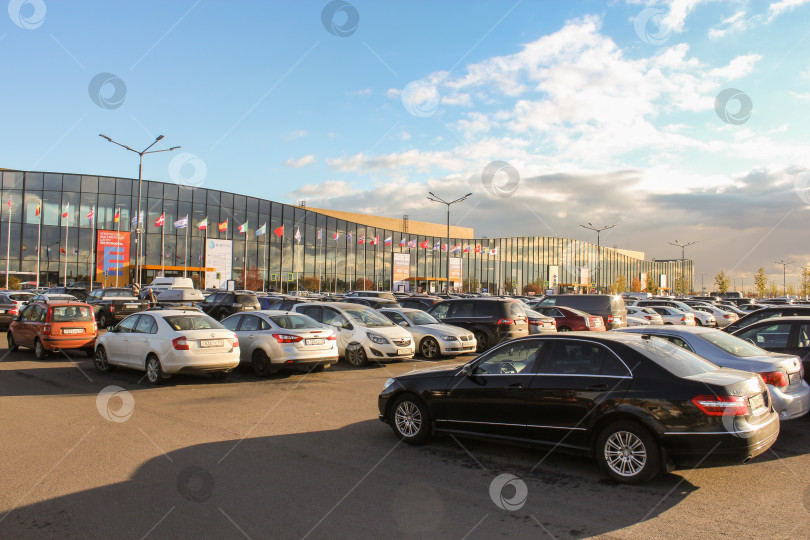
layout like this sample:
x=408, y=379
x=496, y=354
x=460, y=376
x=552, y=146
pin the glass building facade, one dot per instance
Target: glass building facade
x=328, y=248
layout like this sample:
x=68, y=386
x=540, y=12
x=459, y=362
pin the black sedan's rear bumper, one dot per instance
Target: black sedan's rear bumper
x=717, y=448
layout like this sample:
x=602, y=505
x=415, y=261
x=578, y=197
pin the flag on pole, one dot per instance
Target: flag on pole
x=403, y=242
x=38, y=210
x=91, y=214
x=468, y=248
x=411, y=243
x=261, y=230
x=279, y=231
x=387, y=241
x=159, y=221
x=436, y=246
x=64, y=214
x=319, y=234
x=349, y=237
x=9, y=203
x=61, y=250
x=117, y=216
x=478, y=249
x=336, y=236
x=223, y=226
x=456, y=248
x=424, y=245
x=75, y=251
x=243, y=227
x=203, y=225
x=494, y=251
x=298, y=235
x=181, y=223
x=375, y=241
x=362, y=239
x=444, y=247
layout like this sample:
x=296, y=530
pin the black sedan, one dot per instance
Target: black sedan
x=635, y=403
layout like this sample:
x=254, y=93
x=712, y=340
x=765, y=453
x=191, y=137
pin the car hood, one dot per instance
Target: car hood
x=396, y=332
x=442, y=329
x=431, y=372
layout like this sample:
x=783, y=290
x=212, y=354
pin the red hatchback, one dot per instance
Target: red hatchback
x=48, y=326
x=573, y=320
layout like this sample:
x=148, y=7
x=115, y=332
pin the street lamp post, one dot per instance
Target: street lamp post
x=435, y=198
x=590, y=226
x=702, y=288
x=784, y=275
x=140, y=229
x=683, y=258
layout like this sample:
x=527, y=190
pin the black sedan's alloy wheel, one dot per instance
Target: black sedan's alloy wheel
x=410, y=420
x=628, y=453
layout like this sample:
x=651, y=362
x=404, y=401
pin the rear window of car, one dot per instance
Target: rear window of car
x=246, y=299
x=71, y=314
x=118, y=294
x=192, y=322
x=733, y=345
x=20, y=297
x=674, y=359
x=516, y=310
x=294, y=322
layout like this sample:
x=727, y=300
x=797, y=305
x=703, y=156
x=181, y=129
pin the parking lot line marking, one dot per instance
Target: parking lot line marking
x=678, y=483
x=399, y=441
x=158, y=522
x=55, y=465
x=234, y=523
x=480, y=521
x=543, y=526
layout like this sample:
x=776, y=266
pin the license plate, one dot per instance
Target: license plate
x=403, y=352
x=756, y=402
x=72, y=330
x=795, y=377
x=315, y=341
x=132, y=306
x=204, y=343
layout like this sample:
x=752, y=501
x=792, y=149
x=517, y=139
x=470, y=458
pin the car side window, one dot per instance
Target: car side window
x=145, y=325
x=464, y=310
x=768, y=336
x=661, y=310
x=440, y=310
x=582, y=358
x=395, y=317
x=334, y=318
x=127, y=326
x=803, y=336
x=212, y=298
x=250, y=323
x=313, y=312
x=679, y=342
x=25, y=314
x=515, y=358
x=39, y=314
x=232, y=323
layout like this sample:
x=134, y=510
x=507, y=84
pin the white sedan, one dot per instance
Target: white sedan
x=674, y=316
x=166, y=342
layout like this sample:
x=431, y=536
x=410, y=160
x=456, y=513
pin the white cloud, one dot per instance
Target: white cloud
x=804, y=96
x=734, y=24
x=365, y=92
x=297, y=134
x=301, y=162
x=784, y=6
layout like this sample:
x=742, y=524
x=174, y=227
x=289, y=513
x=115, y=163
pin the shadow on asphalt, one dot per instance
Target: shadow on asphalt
x=358, y=482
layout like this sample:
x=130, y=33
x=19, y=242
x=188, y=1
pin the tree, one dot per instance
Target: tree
x=13, y=283
x=363, y=284
x=619, y=286
x=309, y=283
x=760, y=282
x=680, y=284
x=532, y=288
x=722, y=282
x=652, y=286
x=791, y=290
x=805, y=286
x=508, y=285
x=253, y=281
x=195, y=279
x=471, y=285
x=635, y=285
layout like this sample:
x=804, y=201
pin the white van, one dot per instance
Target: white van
x=165, y=283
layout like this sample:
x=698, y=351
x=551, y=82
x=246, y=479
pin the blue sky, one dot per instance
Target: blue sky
x=601, y=117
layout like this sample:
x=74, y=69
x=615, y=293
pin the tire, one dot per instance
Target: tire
x=669, y=323
x=101, y=362
x=642, y=461
x=429, y=348
x=563, y=329
x=410, y=419
x=261, y=363
x=39, y=350
x=697, y=322
x=154, y=371
x=356, y=355
x=102, y=320
x=481, y=342
x=12, y=345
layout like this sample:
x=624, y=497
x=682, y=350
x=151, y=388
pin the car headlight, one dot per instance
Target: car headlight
x=376, y=338
x=449, y=338
x=388, y=383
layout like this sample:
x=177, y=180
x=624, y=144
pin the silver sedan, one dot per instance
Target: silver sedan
x=272, y=340
x=722, y=316
x=431, y=337
x=781, y=372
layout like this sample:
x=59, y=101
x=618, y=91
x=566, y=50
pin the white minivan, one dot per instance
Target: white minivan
x=363, y=333
x=165, y=283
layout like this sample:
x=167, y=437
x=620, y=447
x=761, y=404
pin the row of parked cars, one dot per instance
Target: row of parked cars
x=640, y=399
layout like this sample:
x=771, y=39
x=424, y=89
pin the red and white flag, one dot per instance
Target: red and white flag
x=243, y=227
x=64, y=214
x=159, y=221
x=91, y=214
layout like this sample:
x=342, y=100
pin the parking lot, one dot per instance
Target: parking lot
x=304, y=456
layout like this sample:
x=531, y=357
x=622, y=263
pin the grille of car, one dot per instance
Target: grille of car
x=401, y=342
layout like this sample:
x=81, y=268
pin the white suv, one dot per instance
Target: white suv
x=363, y=334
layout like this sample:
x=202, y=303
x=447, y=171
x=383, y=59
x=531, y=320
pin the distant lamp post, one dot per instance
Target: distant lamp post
x=140, y=229
x=784, y=275
x=683, y=258
x=590, y=226
x=435, y=198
